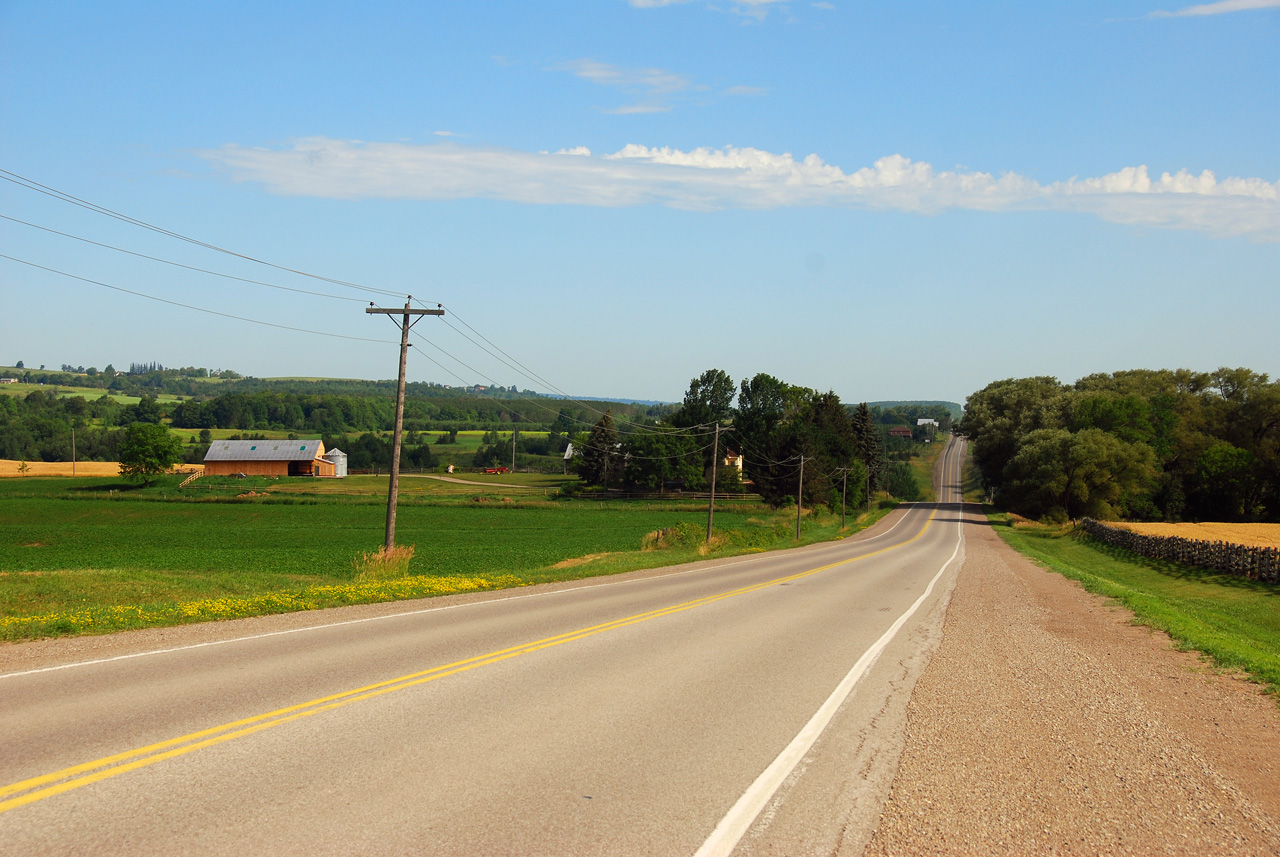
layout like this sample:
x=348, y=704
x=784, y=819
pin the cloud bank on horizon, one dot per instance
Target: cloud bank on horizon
x=706, y=179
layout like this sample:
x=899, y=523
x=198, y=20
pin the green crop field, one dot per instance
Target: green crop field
x=63, y=391
x=80, y=555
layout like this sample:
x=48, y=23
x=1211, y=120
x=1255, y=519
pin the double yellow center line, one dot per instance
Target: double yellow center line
x=46, y=786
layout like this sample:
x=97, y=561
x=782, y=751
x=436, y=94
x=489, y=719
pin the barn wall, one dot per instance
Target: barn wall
x=264, y=468
x=248, y=468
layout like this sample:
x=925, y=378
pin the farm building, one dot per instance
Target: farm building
x=900, y=431
x=339, y=459
x=269, y=458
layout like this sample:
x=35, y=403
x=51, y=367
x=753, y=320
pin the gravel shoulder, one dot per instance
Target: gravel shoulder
x=1046, y=723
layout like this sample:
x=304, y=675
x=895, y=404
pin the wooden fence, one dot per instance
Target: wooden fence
x=1251, y=562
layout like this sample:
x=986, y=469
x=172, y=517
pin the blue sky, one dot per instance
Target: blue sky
x=891, y=201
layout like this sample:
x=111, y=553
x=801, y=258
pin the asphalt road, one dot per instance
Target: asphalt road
x=753, y=704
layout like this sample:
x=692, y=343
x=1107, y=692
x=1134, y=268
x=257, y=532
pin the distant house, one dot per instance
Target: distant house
x=733, y=459
x=269, y=458
x=8, y=380
x=900, y=431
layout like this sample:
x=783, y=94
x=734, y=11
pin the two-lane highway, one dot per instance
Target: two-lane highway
x=745, y=703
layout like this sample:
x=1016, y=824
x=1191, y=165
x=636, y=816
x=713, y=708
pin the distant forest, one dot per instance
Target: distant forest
x=358, y=414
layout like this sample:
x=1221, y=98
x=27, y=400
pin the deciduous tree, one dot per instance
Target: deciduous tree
x=146, y=451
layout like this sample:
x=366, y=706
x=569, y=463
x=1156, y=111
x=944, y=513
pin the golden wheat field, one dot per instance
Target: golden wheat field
x=63, y=468
x=1251, y=535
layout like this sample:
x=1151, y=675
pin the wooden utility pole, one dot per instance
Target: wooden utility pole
x=799, y=497
x=711, y=504
x=844, y=493
x=393, y=494
x=715, y=465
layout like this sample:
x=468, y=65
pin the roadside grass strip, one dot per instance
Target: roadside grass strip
x=49, y=785
x=112, y=617
x=1233, y=621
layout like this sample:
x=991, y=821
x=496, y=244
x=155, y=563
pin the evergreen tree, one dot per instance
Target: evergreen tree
x=868, y=445
x=600, y=463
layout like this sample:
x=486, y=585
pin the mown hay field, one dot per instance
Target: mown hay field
x=63, y=468
x=1250, y=535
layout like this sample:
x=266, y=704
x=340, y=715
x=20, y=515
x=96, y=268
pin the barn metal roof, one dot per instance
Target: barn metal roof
x=264, y=450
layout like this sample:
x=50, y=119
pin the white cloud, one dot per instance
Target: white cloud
x=742, y=178
x=747, y=90
x=631, y=109
x=653, y=80
x=757, y=9
x=445, y=134
x=653, y=86
x=1220, y=8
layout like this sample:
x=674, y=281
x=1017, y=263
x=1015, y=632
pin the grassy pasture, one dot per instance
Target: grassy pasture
x=63, y=391
x=90, y=556
x=185, y=434
x=1233, y=621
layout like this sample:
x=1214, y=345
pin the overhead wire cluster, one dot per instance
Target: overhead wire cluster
x=470, y=334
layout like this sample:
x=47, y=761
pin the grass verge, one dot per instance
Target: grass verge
x=84, y=556
x=1233, y=621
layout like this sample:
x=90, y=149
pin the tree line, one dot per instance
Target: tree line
x=1156, y=445
x=793, y=441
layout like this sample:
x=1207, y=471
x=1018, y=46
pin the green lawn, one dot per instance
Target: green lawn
x=1232, y=620
x=92, y=556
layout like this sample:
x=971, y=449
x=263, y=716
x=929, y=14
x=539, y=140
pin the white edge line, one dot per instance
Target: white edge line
x=739, y=819
x=327, y=625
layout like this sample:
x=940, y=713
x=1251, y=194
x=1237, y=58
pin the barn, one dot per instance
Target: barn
x=267, y=458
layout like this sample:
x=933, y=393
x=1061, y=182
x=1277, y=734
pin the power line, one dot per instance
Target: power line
x=179, y=264
x=655, y=430
x=62, y=196
x=530, y=374
x=30, y=184
x=189, y=306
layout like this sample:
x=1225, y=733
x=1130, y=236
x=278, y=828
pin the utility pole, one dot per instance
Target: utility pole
x=844, y=493
x=513, y=449
x=73, y=450
x=393, y=493
x=715, y=462
x=800, y=497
